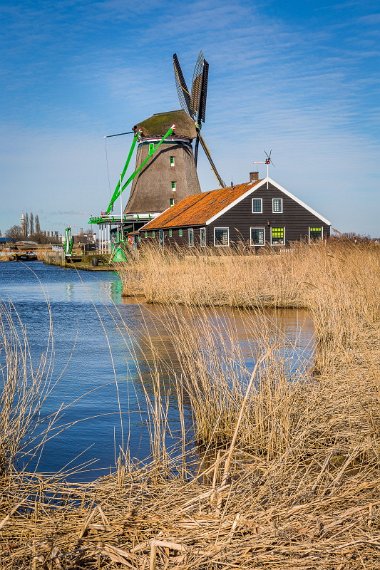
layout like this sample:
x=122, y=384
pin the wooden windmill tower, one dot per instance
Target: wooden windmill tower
x=171, y=173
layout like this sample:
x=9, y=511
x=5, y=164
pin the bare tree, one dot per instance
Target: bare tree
x=15, y=232
x=37, y=224
x=26, y=228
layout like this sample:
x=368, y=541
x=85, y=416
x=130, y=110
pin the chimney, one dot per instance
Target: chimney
x=253, y=176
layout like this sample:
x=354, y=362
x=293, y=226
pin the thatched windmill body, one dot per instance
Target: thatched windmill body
x=171, y=173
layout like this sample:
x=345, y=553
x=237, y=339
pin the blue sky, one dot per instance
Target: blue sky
x=301, y=78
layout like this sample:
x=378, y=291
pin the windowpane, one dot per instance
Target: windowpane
x=277, y=205
x=172, y=161
x=170, y=233
x=221, y=236
x=171, y=202
x=202, y=236
x=180, y=233
x=315, y=233
x=190, y=232
x=161, y=237
x=257, y=205
x=278, y=236
x=257, y=236
x=174, y=185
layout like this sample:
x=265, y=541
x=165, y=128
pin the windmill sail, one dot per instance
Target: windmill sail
x=212, y=164
x=195, y=103
x=203, y=98
x=182, y=90
x=196, y=86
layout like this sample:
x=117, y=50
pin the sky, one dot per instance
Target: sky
x=299, y=77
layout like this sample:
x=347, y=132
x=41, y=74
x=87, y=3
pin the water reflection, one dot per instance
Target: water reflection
x=109, y=352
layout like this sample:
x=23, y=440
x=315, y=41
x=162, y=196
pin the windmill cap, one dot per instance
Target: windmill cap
x=157, y=125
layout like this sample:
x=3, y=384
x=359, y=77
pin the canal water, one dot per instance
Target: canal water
x=105, y=356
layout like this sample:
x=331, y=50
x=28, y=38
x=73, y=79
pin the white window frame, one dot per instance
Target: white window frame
x=202, y=237
x=190, y=237
x=277, y=244
x=261, y=209
x=315, y=227
x=282, y=206
x=250, y=236
x=228, y=236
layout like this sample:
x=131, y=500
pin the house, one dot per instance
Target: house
x=258, y=213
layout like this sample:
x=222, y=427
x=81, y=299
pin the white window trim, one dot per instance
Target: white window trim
x=277, y=244
x=228, y=235
x=190, y=232
x=250, y=234
x=200, y=239
x=282, y=206
x=315, y=227
x=261, y=209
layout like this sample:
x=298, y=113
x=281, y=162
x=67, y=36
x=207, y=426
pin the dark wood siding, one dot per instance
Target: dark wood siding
x=295, y=218
x=174, y=239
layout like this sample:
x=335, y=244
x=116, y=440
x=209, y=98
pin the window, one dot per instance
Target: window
x=146, y=234
x=151, y=148
x=277, y=205
x=174, y=186
x=257, y=236
x=172, y=161
x=277, y=236
x=257, y=205
x=221, y=236
x=161, y=237
x=180, y=233
x=170, y=233
x=202, y=237
x=171, y=202
x=190, y=233
x=315, y=233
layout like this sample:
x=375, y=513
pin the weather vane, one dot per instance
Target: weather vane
x=268, y=161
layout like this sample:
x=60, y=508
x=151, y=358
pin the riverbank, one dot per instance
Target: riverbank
x=291, y=475
x=81, y=262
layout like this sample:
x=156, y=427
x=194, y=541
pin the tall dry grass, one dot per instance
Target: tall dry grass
x=290, y=476
x=25, y=385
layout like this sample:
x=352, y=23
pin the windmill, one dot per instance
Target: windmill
x=166, y=162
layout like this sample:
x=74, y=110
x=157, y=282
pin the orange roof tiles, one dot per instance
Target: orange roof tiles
x=197, y=209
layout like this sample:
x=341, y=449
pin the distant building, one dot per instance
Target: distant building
x=257, y=213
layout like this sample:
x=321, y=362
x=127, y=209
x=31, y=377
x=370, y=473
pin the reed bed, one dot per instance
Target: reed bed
x=288, y=476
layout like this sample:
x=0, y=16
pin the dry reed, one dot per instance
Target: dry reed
x=291, y=477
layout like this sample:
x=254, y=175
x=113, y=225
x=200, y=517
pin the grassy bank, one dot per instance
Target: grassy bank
x=291, y=472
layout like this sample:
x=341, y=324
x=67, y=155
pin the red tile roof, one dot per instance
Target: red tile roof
x=197, y=209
